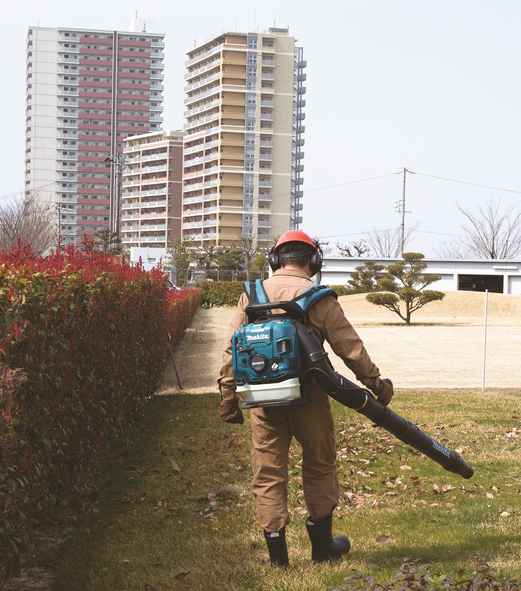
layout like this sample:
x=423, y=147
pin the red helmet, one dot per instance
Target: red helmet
x=294, y=236
x=297, y=236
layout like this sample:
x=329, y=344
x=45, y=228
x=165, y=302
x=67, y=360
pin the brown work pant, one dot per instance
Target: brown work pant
x=271, y=432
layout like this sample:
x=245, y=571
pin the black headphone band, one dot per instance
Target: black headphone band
x=296, y=254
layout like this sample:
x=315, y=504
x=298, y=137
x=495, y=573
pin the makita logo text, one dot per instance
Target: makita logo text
x=257, y=337
x=437, y=446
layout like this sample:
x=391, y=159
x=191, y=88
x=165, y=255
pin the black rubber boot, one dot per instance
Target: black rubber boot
x=323, y=546
x=277, y=548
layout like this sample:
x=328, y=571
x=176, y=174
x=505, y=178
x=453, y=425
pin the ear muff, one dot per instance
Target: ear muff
x=316, y=260
x=273, y=259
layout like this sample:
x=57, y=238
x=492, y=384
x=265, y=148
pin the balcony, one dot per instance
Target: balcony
x=203, y=69
x=145, y=204
x=72, y=38
x=150, y=227
x=190, y=200
x=148, y=169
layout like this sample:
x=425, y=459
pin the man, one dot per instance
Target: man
x=295, y=259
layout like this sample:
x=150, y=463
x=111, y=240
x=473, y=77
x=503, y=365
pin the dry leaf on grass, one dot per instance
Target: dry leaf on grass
x=382, y=539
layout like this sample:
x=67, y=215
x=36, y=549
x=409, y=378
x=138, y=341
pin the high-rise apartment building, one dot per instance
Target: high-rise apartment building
x=243, y=148
x=152, y=189
x=87, y=90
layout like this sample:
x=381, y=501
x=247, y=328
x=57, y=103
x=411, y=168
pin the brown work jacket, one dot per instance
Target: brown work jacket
x=326, y=320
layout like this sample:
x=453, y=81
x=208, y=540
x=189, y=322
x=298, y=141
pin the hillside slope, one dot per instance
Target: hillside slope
x=456, y=308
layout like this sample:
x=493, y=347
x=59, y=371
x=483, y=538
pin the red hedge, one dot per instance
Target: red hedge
x=83, y=346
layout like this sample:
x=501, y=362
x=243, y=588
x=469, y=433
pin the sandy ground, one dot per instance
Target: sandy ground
x=444, y=349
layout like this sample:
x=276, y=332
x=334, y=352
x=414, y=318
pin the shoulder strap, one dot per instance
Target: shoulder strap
x=309, y=297
x=256, y=292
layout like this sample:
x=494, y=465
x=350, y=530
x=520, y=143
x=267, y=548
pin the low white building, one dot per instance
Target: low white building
x=455, y=274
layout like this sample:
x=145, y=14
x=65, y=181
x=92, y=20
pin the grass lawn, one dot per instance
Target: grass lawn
x=172, y=507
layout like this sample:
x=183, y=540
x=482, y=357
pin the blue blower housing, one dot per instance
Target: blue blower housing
x=265, y=352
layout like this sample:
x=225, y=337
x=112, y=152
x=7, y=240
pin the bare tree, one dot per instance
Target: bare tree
x=248, y=245
x=491, y=232
x=30, y=220
x=355, y=249
x=388, y=243
x=207, y=254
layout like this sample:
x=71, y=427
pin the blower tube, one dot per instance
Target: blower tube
x=316, y=363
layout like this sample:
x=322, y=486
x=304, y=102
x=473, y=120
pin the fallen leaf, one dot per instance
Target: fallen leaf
x=382, y=539
x=181, y=575
x=505, y=514
x=175, y=467
x=490, y=496
x=405, y=468
x=495, y=489
x=449, y=505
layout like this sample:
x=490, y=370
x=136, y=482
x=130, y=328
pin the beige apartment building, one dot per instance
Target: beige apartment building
x=243, y=145
x=151, y=196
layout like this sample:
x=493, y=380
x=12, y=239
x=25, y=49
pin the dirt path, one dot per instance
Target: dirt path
x=443, y=350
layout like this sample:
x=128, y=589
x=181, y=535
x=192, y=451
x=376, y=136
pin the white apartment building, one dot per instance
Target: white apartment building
x=152, y=192
x=87, y=90
x=243, y=148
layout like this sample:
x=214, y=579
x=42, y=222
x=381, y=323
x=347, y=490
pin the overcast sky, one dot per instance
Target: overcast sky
x=430, y=85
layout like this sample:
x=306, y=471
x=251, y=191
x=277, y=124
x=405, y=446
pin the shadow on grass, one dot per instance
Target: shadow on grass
x=171, y=509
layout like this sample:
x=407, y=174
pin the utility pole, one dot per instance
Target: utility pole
x=119, y=163
x=403, y=209
x=405, y=171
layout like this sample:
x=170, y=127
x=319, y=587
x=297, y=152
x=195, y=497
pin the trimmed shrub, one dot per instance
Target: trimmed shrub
x=222, y=293
x=83, y=346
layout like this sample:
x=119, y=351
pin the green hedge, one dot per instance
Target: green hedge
x=227, y=293
x=222, y=293
x=83, y=345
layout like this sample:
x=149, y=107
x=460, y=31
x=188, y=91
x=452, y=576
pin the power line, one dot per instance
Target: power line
x=32, y=190
x=465, y=182
x=352, y=182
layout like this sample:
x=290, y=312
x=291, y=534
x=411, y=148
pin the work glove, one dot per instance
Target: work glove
x=384, y=392
x=230, y=411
